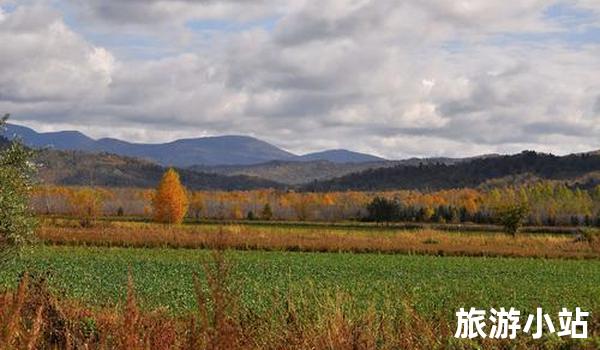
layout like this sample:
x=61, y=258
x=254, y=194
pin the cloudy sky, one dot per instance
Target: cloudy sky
x=395, y=78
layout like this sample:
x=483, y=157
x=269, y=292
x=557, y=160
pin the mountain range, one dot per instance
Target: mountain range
x=71, y=158
x=204, y=151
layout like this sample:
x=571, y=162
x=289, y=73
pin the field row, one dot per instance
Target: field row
x=317, y=238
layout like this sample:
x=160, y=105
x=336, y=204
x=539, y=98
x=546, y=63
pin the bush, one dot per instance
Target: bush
x=589, y=235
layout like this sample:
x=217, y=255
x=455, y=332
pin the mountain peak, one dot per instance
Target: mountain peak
x=206, y=151
x=341, y=156
x=63, y=140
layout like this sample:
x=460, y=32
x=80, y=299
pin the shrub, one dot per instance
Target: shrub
x=589, y=235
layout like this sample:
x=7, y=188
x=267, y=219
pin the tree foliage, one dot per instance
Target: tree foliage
x=196, y=204
x=87, y=203
x=512, y=216
x=550, y=203
x=170, y=202
x=383, y=210
x=17, y=224
x=266, y=213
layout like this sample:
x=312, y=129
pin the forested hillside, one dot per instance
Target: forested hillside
x=109, y=170
x=302, y=172
x=295, y=173
x=468, y=174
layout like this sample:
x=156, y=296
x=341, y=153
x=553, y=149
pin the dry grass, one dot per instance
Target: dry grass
x=424, y=241
x=220, y=323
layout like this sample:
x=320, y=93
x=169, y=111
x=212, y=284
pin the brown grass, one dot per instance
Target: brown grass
x=220, y=323
x=424, y=241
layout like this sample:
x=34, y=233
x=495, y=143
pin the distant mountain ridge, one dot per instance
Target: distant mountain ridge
x=341, y=156
x=208, y=151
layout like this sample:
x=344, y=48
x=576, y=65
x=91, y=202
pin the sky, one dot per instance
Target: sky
x=397, y=78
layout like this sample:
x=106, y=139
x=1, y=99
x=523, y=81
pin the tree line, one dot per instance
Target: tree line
x=548, y=203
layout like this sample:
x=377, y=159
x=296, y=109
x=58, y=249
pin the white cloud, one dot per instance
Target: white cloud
x=396, y=78
x=44, y=60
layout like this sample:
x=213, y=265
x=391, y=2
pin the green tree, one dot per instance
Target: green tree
x=383, y=210
x=17, y=223
x=511, y=217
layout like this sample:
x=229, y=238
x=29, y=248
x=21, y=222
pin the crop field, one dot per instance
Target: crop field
x=434, y=285
x=318, y=238
x=239, y=285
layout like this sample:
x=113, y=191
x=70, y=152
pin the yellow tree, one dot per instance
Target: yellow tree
x=170, y=202
x=86, y=204
x=197, y=204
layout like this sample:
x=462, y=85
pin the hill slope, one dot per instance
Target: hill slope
x=465, y=174
x=109, y=170
x=296, y=173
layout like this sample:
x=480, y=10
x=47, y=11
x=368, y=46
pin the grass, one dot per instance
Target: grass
x=163, y=277
x=351, y=225
x=317, y=239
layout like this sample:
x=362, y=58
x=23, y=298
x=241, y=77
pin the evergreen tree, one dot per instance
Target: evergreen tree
x=383, y=210
x=266, y=213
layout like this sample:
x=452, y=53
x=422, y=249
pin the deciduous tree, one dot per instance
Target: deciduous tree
x=17, y=224
x=170, y=202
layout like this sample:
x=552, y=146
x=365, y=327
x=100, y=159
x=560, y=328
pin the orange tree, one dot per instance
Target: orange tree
x=170, y=203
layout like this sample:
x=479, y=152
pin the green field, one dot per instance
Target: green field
x=163, y=277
